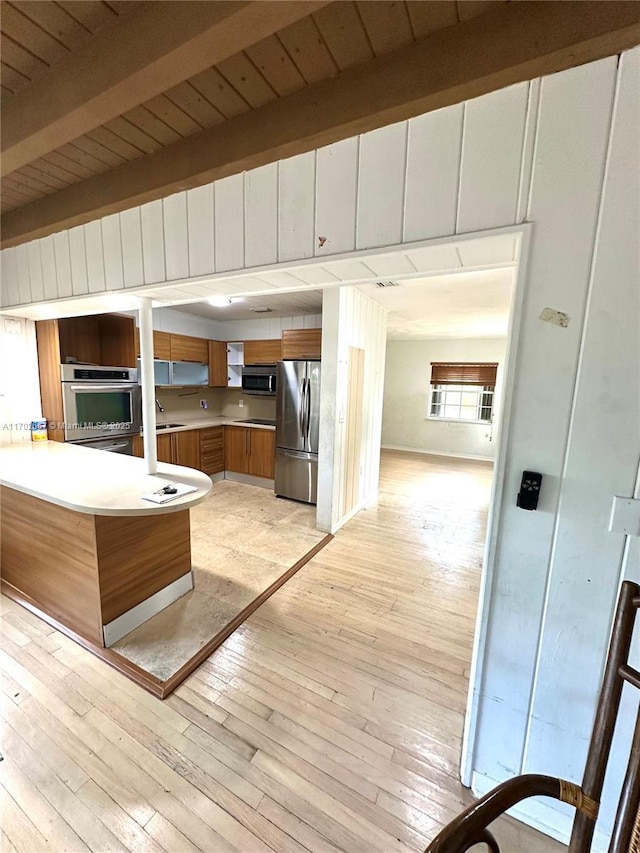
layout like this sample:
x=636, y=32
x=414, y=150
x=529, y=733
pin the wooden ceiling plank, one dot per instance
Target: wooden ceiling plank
x=429, y=17
x=387, y=24
x=147, y=51
x=108, y=139
x=344, y=34
x=276, y=66
x=48, y=180
x=50, y=167
x=43, y=168
x=247, y=80
x=12, y=79
x=99, y=151
x=92, y=15
x=23, y=31
x=219, y=92
x=519, y=41
x=22, y=179
x=54, y=20
x=468, y=9
x=308, y=50
x=73, y=167
x=194, y=104
x=17, y=57
x=172, y=115
x=72, y=152
x=131, y=133
x=22, y=191
x=151, y=126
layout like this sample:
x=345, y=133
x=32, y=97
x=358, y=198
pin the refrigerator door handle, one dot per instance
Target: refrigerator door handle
x=308, y=408
x=303, y=407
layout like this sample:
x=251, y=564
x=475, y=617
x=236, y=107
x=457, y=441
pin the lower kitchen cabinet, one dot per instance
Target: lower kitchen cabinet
x=164, y=445
x=249, y=451
x=236, y=457
x=212, y=450
x=179, y=448
x=262, y=452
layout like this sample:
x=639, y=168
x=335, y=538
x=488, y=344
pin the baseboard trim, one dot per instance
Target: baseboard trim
x=249, y=480
x=437, y=453
x=136, y=616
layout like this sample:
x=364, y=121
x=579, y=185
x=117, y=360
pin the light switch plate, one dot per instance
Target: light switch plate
x=625, y=516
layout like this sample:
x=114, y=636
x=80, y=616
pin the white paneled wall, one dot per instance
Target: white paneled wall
x=560, y=153
x=452, y=171
x=575, y=418
x=19, y=381
x=350, y=319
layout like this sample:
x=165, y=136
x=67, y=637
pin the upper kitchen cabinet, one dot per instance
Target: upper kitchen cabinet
x=161, y=345
x=186, y=348
x=301, y=344
x=217, y=364
x=263, y=352
x=106, y=339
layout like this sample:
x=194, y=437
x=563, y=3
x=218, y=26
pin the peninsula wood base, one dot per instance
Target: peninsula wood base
x=86, y=570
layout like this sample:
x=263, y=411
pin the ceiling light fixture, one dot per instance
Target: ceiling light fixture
x=263, y=310
x=219, y=301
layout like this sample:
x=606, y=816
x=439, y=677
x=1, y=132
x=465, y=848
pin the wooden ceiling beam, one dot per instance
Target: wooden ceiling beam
x=146, y=52
x=516, y=42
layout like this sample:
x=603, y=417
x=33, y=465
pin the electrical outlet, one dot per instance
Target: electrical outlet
x=241, y=404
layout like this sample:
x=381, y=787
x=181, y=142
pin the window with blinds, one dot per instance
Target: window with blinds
x=462, y=391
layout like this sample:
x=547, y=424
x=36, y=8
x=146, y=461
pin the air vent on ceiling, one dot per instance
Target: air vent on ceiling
x=261, y=310
x=387, y=284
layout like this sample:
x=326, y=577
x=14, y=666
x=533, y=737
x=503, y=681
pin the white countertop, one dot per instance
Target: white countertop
x=203, y=423
x=94, y=481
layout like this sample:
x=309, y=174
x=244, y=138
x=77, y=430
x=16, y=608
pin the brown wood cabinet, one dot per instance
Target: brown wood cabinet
x=186, y=448
x=179, y=448
x=262, y=452
x=249, y=451
x=186, y=348
x=301, y=343
x=105, y=339
x=236, y=457
x=212, y=450
x=217, y=364
x=161, y=345
x=262, y=352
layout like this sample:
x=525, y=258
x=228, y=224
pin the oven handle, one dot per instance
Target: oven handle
x=103, y=387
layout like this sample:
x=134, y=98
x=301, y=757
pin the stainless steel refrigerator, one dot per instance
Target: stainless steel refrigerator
x=297, y=417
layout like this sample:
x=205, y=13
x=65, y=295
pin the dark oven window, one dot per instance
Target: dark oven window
x=103, y=407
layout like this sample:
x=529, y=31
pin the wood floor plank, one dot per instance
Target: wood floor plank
x=330, y=722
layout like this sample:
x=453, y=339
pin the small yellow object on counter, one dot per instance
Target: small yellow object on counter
x=39, y=430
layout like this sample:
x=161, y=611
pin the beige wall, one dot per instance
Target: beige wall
x=406, y=395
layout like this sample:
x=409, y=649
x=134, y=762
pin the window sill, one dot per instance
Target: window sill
x=456, y=421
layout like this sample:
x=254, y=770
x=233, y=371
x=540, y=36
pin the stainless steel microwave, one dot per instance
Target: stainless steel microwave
x=100, y=402
x=259, y=380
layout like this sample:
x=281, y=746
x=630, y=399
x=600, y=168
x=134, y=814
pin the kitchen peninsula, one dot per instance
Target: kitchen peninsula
x=79, y=544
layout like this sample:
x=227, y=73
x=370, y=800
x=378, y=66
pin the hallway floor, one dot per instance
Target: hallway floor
x=330, y=721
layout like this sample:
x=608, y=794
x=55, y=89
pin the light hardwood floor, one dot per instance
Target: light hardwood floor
x=331, y=721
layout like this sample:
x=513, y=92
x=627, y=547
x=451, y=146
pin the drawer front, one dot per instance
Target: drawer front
x=212, y=450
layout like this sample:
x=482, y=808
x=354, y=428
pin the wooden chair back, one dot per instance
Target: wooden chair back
x=471, y=827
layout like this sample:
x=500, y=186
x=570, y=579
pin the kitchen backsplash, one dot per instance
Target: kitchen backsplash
x=185, y=403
